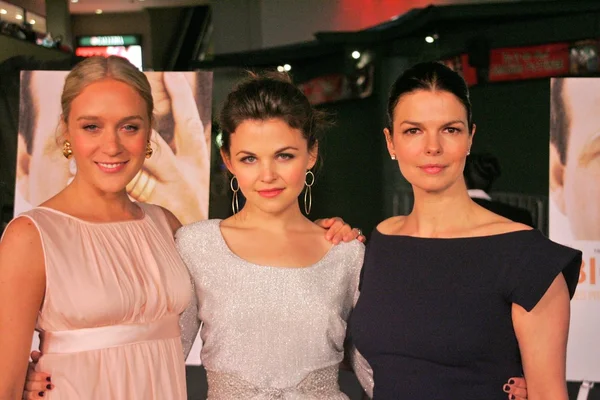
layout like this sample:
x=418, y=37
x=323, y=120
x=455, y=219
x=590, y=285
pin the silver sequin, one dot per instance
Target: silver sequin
x=268, y=326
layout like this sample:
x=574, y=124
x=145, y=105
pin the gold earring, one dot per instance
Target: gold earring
x=235, y=207
x=67, y=150
x=149, y=150
x=308, y=191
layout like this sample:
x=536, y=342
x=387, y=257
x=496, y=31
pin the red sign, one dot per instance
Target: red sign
x=529, y=62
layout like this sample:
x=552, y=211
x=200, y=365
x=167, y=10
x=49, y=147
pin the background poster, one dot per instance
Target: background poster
x=575, y=210
x=181, y=142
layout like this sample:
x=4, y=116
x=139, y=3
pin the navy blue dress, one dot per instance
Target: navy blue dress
x=434, y=315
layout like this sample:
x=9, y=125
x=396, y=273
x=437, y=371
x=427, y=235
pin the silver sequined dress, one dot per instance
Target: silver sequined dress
x=270, y=332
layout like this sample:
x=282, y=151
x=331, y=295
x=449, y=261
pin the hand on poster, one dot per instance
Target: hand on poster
x=176, y=176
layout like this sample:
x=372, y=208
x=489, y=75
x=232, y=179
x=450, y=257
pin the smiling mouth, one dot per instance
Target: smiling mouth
x=111, y=167
x=270, y=192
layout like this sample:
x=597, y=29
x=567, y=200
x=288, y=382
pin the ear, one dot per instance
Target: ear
x=313, y=155
x=63, y=129
x=471, y=136
x=227, y=160
x=389, y=142
x=557, y=176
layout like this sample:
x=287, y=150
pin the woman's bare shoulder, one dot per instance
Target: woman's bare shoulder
x=391, y=225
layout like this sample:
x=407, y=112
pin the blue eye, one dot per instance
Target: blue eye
x=91, y=127
x=285, y=156
x=248, y=159
x=131, y=128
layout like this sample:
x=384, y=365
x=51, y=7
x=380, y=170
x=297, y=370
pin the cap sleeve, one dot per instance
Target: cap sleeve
x=539, y=262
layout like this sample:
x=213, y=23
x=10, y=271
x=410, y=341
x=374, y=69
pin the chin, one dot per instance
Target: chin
x=431, y=187
x=112, y=187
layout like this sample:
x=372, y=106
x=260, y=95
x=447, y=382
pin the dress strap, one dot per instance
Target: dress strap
x=78, y=340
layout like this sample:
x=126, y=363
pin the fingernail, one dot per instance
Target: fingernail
x=511, y=381
x=41, y=394
x=49, y=379
x=48, y=386
x=506, y=388
x=512, y=397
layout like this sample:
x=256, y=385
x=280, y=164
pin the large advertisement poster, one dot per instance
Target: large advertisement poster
x=575, y=210
x=178, y=169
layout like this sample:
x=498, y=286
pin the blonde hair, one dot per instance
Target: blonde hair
x=94, y=69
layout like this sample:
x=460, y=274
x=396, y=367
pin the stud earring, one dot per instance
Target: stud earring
x=393, y=157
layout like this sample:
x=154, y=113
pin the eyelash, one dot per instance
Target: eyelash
x=251, y=159
x=455, y=130
x=450, y=129
x=128, y=128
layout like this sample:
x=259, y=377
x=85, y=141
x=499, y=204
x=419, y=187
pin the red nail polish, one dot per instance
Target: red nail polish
x=41, y=394
x=48, y=386
x=48, y=379
x=511, y=381
x=506, y=388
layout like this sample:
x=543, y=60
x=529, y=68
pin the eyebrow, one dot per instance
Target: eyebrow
x=276, y=151
x=95, y=118
x=456, y=121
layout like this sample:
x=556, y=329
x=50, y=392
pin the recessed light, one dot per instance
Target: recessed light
x=32, y=22
x=74, y=1
x=98, y=11
x=19, y=16
x=3, y=11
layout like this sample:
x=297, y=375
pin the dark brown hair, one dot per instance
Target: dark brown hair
x=429, y=76
x=267, y=96
x=559, y=119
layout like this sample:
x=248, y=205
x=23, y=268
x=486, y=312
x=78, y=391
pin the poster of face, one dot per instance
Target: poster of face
x=178, y=169
x=574, y=214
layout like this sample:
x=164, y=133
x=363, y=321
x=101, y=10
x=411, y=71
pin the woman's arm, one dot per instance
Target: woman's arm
x=542, y=335
x=22, y=287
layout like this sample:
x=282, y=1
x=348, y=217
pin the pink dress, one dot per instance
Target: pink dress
x=109, y=323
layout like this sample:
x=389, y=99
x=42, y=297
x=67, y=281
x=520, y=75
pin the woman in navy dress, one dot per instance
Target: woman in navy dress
x=454, y=298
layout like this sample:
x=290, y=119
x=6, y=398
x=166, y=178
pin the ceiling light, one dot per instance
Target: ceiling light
x=74, y=1
x=98, y=11
x=19, y=16
x=356, y=54
x=287, y=67
x=3, y=11
x=32, y=22
x=280, y=68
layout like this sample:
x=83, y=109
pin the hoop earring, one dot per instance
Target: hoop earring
x=67, y=150
x=149, y=150
x=235, y=207
x=308, y=191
